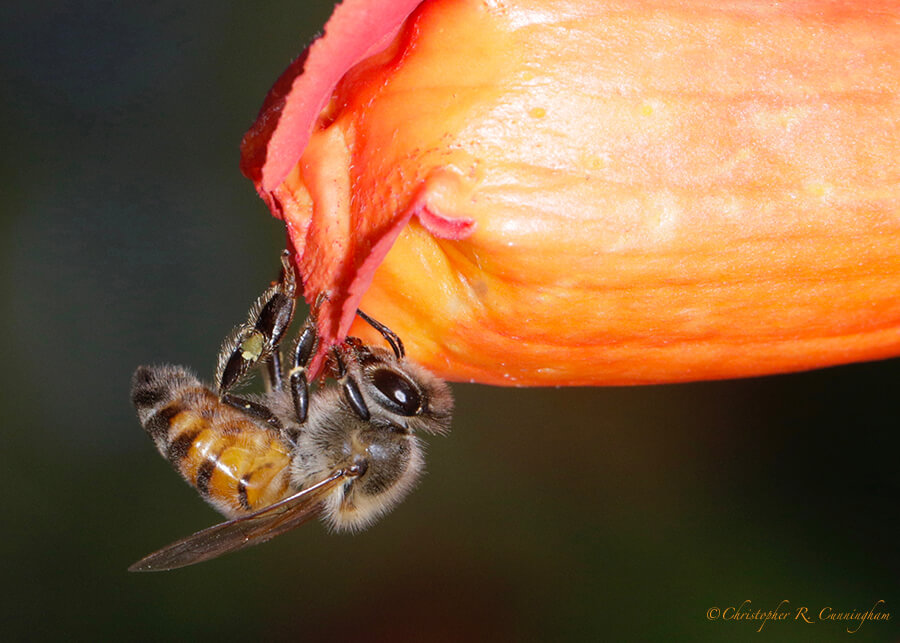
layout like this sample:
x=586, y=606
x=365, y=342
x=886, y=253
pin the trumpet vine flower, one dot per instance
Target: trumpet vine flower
x=560, y=192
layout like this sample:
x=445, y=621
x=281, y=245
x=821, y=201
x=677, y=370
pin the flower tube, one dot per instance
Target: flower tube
x=556, y=192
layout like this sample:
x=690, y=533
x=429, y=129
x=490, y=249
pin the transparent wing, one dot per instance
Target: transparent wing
x=245, y=531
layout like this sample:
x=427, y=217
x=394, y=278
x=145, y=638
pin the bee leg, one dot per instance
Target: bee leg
x=273, y=375
x=258, y=338
x=253, y=409
x=351, y=390
x=390, y=336
x=305, y=348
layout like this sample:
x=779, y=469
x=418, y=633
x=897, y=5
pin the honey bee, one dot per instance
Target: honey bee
x=346, y=451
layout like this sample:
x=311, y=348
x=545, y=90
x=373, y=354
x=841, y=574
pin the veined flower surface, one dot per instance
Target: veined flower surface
x=558, y=192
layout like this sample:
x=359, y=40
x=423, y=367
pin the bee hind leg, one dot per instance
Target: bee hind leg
x=256, y=341
x=253, y=409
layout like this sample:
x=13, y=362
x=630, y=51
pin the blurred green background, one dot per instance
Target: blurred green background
x=129, y=236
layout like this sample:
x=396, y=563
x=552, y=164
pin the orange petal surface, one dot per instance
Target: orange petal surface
x=552, y=192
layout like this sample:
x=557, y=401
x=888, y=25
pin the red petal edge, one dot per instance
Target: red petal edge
x=276, y=141
x=357, y=29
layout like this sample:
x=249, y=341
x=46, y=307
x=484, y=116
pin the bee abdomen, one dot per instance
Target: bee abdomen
x=153, y=389
x=235, y=463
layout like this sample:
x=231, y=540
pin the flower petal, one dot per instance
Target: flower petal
x=604, y=193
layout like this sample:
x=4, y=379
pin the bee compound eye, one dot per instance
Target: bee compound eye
x=399, y=394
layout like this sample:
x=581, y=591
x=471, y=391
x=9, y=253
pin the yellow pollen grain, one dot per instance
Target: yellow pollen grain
x=537, y=112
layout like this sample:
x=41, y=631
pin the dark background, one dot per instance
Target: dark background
x=129, y=236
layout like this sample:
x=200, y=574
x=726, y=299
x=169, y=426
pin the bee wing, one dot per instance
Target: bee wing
x=245, y=531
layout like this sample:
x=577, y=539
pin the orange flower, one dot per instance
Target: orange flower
x=546, y=192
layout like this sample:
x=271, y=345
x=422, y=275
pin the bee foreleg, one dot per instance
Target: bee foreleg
x=350, y=388
x=258, y=338
x=390, y=336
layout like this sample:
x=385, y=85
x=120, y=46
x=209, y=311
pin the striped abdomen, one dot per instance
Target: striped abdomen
x=235, y=463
